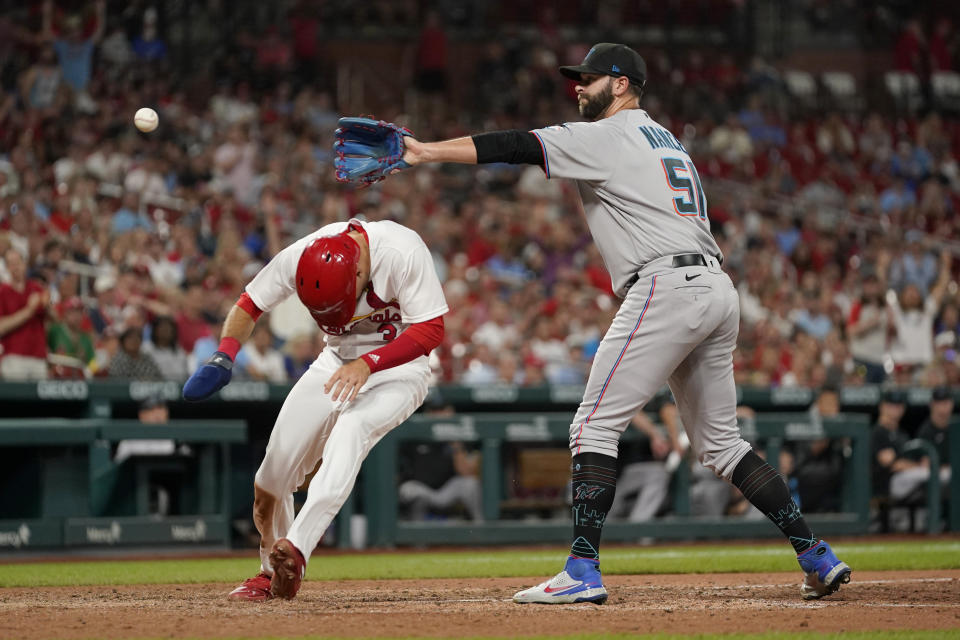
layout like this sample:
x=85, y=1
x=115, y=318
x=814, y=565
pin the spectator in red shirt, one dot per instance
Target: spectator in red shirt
x=191, y=325
x=910, y=49
x=305, y=29
x=274, y=52
x=431, y=67
x=23, y=307
x=942, y=45
x=432, y=55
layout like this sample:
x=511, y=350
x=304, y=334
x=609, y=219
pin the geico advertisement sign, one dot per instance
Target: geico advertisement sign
x=167, y=390
x=62, y=390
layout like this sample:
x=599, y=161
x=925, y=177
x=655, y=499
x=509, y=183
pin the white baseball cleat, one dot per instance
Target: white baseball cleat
x=580, y=581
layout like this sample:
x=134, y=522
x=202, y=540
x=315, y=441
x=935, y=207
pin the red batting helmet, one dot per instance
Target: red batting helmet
x=327, y=279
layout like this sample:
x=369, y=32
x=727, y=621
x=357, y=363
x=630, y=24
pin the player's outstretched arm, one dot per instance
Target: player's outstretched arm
x=512, y=147
x=369, y=150
x=459, y=150
x=217, y=371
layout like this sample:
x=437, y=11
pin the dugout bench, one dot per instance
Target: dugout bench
x=256, y=403
x=491, y=431
x=62, y=487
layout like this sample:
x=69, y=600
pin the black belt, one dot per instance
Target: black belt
x=689, y=260
x=679, y=261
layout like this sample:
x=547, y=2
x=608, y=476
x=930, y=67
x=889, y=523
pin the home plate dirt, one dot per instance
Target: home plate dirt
x=716, y=603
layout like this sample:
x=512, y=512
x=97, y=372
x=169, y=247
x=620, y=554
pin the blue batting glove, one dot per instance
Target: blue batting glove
x=210, y=378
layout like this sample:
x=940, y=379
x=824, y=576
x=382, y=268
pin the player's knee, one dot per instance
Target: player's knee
x=349, y=429
x=264, y=482
x=274, y=479
x=598, y=439
x=722, y=457
x=355, y=435
x=710, y=462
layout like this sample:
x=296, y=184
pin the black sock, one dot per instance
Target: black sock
x=594, y=483
x=766, y=490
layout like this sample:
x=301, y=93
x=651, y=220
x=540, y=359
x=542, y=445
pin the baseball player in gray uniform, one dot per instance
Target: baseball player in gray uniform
x=677, y=323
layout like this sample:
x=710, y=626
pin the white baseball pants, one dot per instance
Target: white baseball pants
x=311, y=427
x=677, y=326
x=648, y=482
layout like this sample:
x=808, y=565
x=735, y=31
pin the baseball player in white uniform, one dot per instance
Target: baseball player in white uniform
x=372, y=288
x=678, y=321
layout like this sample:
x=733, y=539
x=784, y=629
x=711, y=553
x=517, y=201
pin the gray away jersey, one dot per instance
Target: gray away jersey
x=641, y=193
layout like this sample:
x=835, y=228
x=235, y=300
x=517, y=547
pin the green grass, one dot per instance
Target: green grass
x=940, y=554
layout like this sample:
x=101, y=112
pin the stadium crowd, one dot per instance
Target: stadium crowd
x=123, y=251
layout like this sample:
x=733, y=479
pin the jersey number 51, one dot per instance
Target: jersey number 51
x=682, y=176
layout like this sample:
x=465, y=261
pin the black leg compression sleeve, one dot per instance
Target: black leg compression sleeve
x=594, y=483
x=766, y=490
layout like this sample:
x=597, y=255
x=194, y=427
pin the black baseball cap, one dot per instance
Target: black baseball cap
x=610, y=59
x=153, y=402
x=941, y=393
x=894, y=396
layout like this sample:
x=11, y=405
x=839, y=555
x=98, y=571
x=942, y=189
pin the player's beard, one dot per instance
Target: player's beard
x=594, y=106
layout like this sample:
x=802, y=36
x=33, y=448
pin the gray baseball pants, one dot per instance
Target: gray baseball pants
x=676, y=326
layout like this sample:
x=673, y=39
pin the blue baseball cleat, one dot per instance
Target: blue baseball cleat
x=824, y=572
x=580, y=581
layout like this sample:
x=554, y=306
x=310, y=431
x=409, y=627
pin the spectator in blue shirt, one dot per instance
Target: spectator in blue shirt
x=74, y=51
x=913, y=163
x=148, y=46
x=916, y=266
x=814, y=318
x=128, y=217
x=897, y=196
x=788, y=236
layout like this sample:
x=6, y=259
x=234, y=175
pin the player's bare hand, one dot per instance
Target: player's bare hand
x=413, y=153
x=660, y=448
x=347, y=380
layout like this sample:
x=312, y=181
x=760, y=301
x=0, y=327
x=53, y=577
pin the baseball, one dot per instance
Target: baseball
x=146, y=119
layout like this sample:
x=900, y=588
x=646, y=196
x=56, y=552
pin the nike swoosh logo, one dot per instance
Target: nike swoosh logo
x=566, y=588
x=690, y=277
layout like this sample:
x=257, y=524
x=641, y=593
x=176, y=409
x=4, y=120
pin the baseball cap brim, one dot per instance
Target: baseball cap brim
x=575, y=71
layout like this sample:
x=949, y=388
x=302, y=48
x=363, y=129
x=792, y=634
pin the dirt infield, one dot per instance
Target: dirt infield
x=723, y=603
